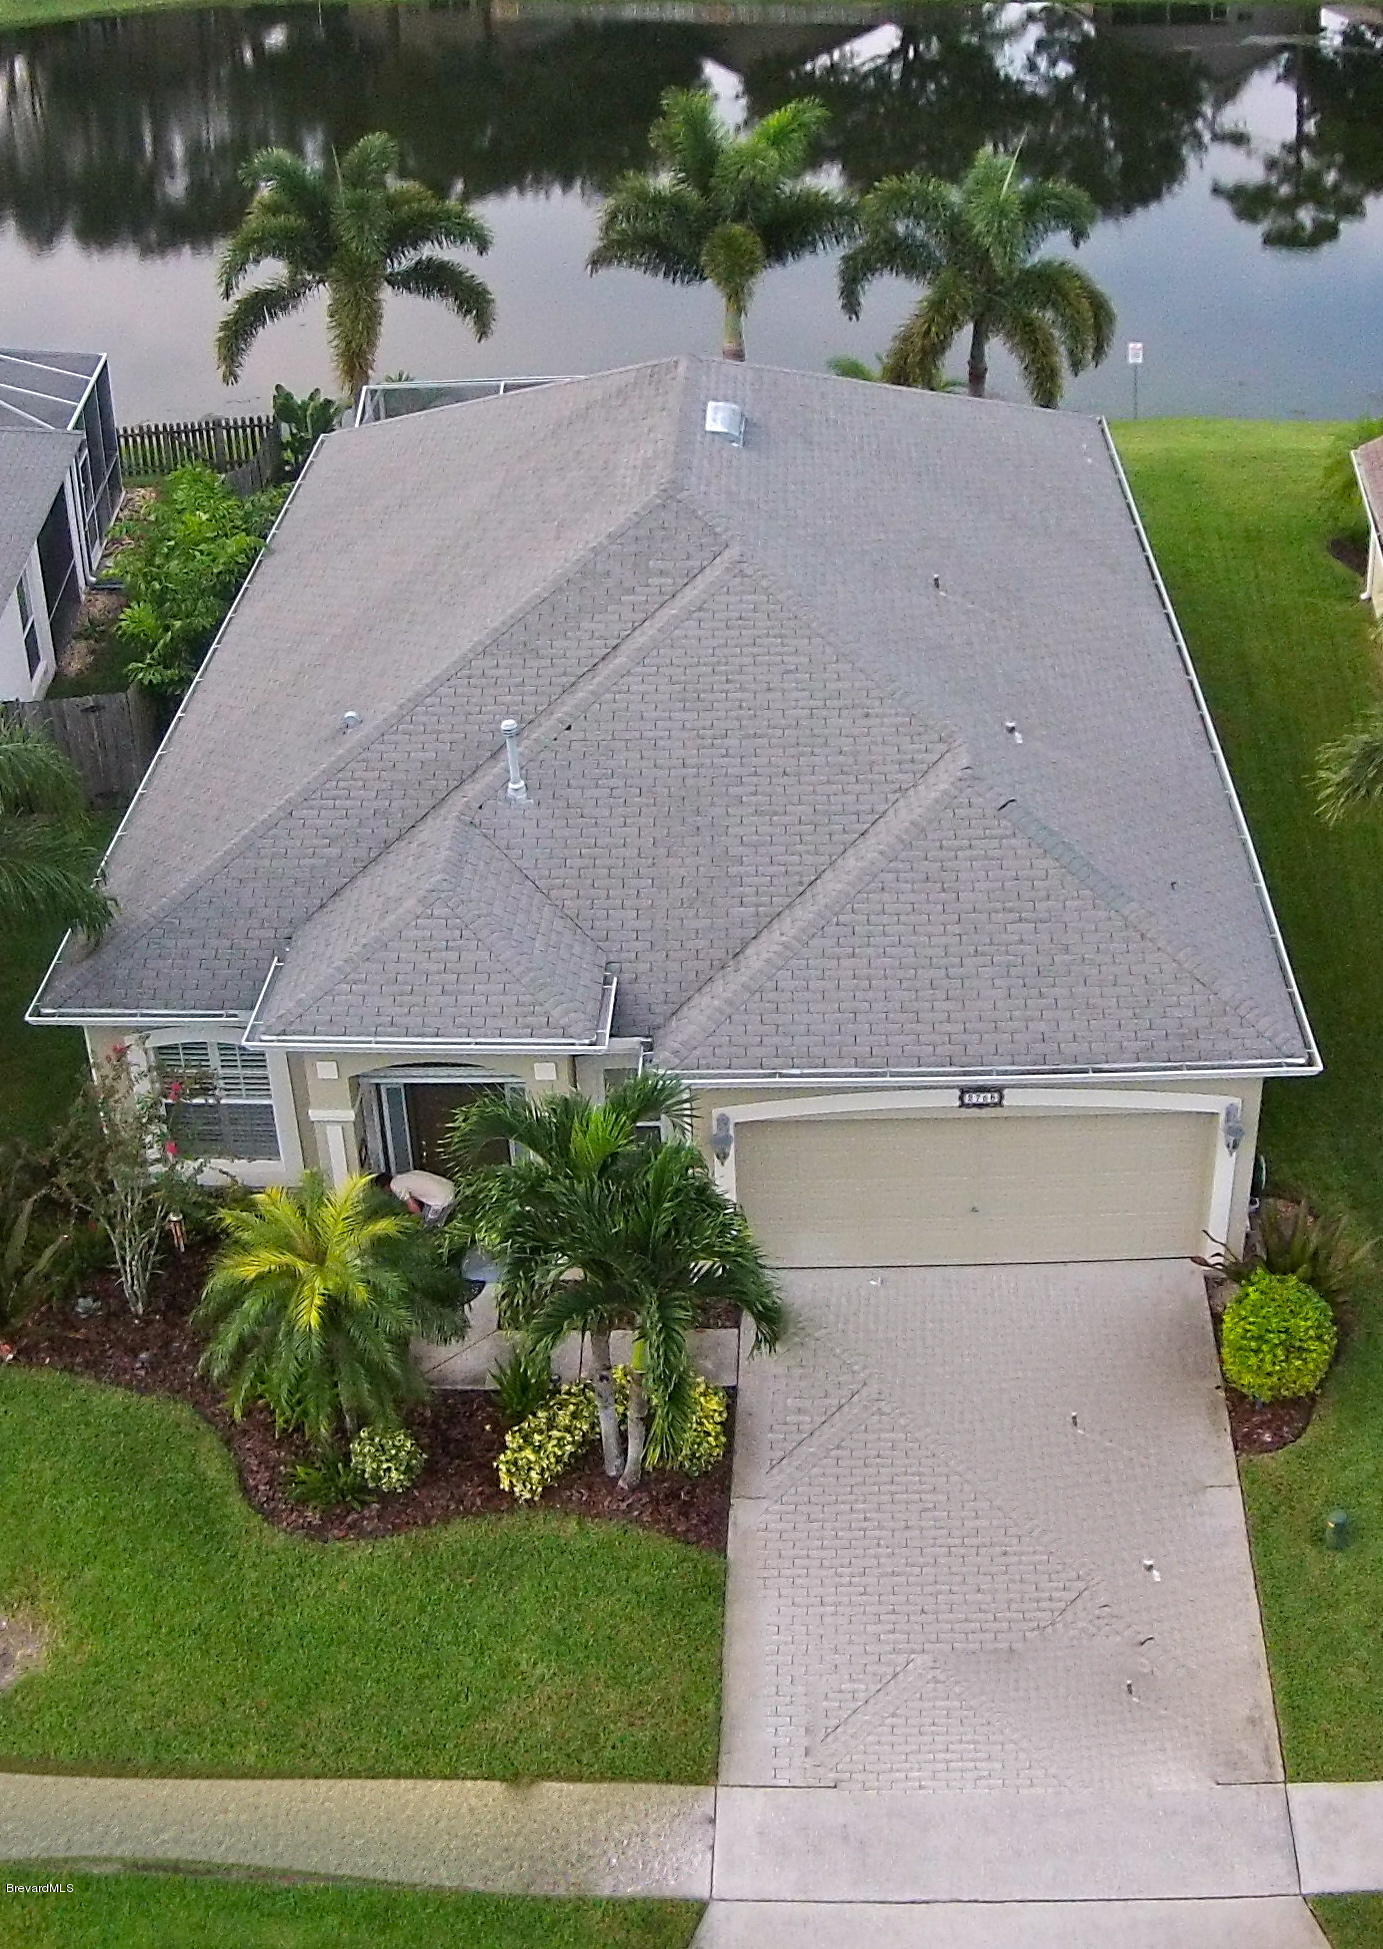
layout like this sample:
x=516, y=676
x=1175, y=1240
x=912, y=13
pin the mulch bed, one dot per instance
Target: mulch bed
x=1258, y=1427
x=1354, y=554
x=460, y=1430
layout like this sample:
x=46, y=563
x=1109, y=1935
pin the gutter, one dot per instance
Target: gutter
x=36, y=1015
x=590, y=1045
x=869, y=1079
x=1314, y=1064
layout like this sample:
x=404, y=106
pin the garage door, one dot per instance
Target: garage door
x=976, y=1189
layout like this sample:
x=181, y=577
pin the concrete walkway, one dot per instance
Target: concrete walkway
x=543, y=1839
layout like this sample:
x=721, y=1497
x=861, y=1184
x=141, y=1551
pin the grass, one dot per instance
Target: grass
x=186, y=1636
x=1286, y=657
x=172, y=1911
x=1351, y=1921
x=39, y=1068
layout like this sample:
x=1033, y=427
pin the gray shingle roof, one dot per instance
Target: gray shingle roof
x=33, y=467
x=765, y=692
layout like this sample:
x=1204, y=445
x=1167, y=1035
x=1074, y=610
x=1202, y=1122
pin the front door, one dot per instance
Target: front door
x=417, y=1120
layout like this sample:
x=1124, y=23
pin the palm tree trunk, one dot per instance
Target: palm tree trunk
x=977, y=372
x=732, y=346
x=603, y=1387
x=638, y=1426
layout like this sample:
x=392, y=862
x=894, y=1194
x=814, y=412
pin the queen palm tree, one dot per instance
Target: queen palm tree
x=313, y=1299
x=49, y=850
x=597, y=1229
x=354, y=231
x=722, y=208
x=972, y=244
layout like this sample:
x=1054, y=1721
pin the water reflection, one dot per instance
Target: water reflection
x=124, y=136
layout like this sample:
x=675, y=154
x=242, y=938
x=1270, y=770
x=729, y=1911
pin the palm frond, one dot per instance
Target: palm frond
x=34, y=775
x=46, y=874
x=263, y=304
x=1035, y=346
x=450, y=284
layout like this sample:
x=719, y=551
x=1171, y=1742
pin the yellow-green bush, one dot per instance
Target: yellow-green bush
x=1278, y=1339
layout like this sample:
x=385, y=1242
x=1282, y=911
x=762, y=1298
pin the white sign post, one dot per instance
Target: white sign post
x=1135, y=359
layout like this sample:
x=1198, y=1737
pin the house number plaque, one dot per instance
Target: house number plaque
x=976, y=1098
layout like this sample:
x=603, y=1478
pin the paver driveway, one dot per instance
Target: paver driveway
x=938, y=1577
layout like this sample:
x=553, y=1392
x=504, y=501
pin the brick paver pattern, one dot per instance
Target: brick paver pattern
x=988, y=1535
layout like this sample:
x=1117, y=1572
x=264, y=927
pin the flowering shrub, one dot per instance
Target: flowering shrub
x=540, y=1450
x=387, y=1459
x=543, y=1448
x=1278, y=1339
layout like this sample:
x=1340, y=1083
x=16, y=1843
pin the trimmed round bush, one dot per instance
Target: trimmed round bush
x=1278, y=1339
x=387, y=1459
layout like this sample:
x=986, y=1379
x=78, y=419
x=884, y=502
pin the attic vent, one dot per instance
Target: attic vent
x=726, y=419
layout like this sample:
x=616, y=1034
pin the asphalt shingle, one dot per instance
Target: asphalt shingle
x=865, y=745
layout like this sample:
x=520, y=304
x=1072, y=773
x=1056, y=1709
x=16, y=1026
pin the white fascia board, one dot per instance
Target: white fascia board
x=873, y=1079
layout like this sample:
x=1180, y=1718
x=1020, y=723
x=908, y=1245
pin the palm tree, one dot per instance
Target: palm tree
x=597, y=1229
x=722, y=208
x=972, y=243
x=353, y=231
x=1349, y=770
x=313, y=1299
x=49, y=851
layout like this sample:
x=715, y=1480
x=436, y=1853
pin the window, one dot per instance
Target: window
x=33, y=647
x=218, y=1098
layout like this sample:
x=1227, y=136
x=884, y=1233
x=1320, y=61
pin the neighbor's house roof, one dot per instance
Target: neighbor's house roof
x=39, y=389
x=33, y=467
x=866, y=746
x=1368, y=465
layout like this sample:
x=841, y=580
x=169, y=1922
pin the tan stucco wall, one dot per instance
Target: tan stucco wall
x=334, y=1099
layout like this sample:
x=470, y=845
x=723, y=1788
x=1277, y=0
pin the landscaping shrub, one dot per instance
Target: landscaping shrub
x=1278, y=1339
x=185, y=561
x=330, y=1482
x=387, y=1459
x=1321, y=1251
x=541, y=1449
x=704, y=1442
x=522, y=1383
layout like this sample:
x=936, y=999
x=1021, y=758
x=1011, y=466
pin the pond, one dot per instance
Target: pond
x=1235, y=154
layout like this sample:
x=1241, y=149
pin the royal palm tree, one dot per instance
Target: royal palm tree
x=972, y=244
x=49, y=850
x=597, y=1229
x=354, y=231
x=722, y=208
x=313, y=1299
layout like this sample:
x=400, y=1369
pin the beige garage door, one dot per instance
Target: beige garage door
x=976, y=1189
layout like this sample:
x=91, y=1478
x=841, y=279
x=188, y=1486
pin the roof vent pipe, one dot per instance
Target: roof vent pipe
x=516, y=791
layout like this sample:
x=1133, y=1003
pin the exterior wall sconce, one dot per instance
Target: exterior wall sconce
x=722, y=1137
x=1232, y=1127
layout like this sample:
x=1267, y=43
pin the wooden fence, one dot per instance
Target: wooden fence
x=226, y=445
x=110, y=737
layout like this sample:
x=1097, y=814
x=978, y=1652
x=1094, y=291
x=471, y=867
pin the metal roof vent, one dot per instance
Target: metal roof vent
x=723, y=417
x=516, y=791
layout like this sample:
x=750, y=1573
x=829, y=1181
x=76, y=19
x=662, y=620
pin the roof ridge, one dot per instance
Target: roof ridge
x=1068, y=856
x=524, y=972
x=425, y=896
x=343, y=761
x=819, y=902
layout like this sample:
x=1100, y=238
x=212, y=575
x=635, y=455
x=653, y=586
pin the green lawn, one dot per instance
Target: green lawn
x=187, y=1636
x=1352, y=1921
x=39, y=1068
x=170, y=1911
x=1283, y=649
